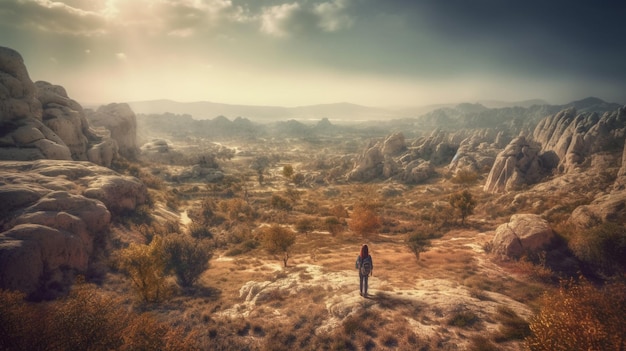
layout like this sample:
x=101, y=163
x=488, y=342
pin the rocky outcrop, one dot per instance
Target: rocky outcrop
x=121, y=121
x=620, y=181
x=369, y=165
x=17, y=91
x=39, y=121
x=573, y=138
x=393, y=144
x=51, y=213
x=607, y=208
x=525, y=233
x=518, y=164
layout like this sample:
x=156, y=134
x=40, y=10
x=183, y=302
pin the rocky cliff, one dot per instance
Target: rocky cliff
x=54, y=205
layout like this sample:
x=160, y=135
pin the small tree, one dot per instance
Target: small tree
x=145, y=265
x=187, y=257
x=287, y=171
x=364, y=220
x=418, y=242
x=278, y=240
x=463, y=202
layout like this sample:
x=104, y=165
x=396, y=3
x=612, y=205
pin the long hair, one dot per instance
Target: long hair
x=364, y=251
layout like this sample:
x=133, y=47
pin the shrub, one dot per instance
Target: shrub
x=305, y=225
x=199, y=231
x=87, y=319
x=465, y=177
x=187, y=257
x=333, y=225
x=364, y=220
x=287, y=171
x=463, y=203
x=580, y=316
x=603, y=247
x=419, y=242
x=145, y=265
x=280, y=203
x=278, y=240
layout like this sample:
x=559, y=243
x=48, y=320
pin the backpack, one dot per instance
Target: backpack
x=366, y=266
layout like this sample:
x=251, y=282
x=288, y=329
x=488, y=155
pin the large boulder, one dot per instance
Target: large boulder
x=607, y=208
x=525, y=233
x=121, y=121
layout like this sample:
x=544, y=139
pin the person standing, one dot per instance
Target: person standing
x=365, y=266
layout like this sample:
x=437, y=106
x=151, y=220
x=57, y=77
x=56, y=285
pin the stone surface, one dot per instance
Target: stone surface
x=523, y=234
x=518, y=164
x=51, y=213
x=39, y=120
x=121, y=121
x=607, y=208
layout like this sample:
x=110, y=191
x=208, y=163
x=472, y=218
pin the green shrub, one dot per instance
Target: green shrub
x=187, y=257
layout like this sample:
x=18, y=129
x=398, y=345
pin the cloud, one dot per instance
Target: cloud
x=294, y=18
x=121, y=56
x=52, y=16
x=332, y=16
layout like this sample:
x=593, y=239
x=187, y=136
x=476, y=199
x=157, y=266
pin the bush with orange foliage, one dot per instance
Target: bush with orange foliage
x=581, y=317
x=87, y=319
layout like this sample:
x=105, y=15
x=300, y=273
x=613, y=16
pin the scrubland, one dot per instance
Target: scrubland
x=454, y=295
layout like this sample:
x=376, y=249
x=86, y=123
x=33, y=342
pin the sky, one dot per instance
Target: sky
x=304, y=52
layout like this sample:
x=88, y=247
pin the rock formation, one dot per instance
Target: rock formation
x=518, y=164
x=39, y=121
x=573, y=137
x=121, y=121
x=51, y=213
x=524, y=233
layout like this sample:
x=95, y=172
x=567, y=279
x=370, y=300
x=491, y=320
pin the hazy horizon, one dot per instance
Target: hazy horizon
x=309, y=52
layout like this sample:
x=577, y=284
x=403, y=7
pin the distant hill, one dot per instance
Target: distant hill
x=484, y=111
x=210, y=110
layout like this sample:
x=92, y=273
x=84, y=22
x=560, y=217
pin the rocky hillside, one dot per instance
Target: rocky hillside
x=54, y=204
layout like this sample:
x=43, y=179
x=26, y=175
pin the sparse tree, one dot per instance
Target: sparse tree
x=187, y=257
x=278, y=240
x=418, y=242
x=463, y=202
